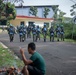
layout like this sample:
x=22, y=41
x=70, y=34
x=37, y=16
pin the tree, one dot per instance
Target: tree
x=10, y=11
x=2, y=7
x=46, y=12
x=61, y=15
x=55, y=9
x=73, y=13
x=73, y=10
x=33, y=11
x=7, y=10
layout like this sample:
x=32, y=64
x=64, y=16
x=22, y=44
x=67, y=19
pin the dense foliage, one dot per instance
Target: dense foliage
x=46, y=12
x=7, y=10
x=69, y=29
x=33, y=10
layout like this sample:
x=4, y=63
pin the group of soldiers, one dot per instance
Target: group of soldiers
x=35, y=32
x=59, y=33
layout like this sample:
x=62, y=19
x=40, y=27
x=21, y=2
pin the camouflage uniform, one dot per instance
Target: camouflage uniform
x=11, y=32
x=38, y=31
x=58, y=29
x=51, y=30
x=44, y=31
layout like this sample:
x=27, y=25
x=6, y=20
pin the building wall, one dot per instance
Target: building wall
x=25, y=11
x=39, y=22
x=22, y=11
x=16, y=22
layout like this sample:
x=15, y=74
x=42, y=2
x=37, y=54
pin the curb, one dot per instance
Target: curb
x=1, y=31
x=3, y=45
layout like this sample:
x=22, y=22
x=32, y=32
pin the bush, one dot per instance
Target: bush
x=68, y=28
x=74, y=35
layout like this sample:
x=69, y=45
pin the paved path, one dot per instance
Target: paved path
x=60, y=57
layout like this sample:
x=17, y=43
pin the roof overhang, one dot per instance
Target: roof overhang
x=29, y=17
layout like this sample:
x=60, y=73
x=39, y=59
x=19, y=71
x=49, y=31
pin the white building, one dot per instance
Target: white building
x=23, y=16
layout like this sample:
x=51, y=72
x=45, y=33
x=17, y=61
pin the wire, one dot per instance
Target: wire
x=73, y=1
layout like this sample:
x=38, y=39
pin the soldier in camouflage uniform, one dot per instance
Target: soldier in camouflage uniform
x=34, y=33
x=62, y=33
x=58, y=29
x=38, y=31
x=29, y=31
x=11, y=32
x=51, y=31
x=44, y=32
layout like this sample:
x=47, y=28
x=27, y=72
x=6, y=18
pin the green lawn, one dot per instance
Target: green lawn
x=8, y=59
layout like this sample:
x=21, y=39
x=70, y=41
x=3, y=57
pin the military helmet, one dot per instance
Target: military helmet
x=44, y=24
x=38, y=26
x=11, y=25
x=61, y=25
x=57, y=25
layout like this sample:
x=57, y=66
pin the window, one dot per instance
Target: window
x=30, y=23
x=22, y=23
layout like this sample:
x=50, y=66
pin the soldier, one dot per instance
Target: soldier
x=58, y=29
x=29, y=31
x=62, y=33
x=24, y=32
x=21, y=35
x=17, y=29
x=51, y=30
x=34, y=33
x=11, y=32
x=44, y=31
x=38, y=31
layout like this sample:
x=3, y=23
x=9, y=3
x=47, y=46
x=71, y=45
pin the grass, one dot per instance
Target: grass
x=8, y=59
x=70, y=40
x=66, y=40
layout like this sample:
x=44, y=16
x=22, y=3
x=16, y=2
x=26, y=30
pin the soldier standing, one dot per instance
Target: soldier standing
x=44, y=31
x=51, y=30
x=24, y=32
x=62, y=33
x=38, y=31
x=20, y=30
x=58, y=29
x=29, y=31
x=34, y=33
x=11, y=32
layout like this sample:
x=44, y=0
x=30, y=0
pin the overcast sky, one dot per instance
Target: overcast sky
x=64, y=5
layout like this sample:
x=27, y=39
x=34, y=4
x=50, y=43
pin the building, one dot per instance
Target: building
x=24, y=10
x=23, y=16
x=27, y=20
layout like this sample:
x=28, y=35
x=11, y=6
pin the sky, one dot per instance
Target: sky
x=64, y=5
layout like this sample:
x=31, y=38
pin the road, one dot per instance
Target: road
x=60, y=57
